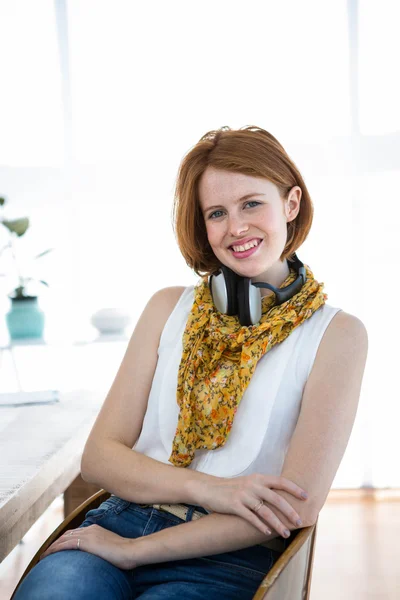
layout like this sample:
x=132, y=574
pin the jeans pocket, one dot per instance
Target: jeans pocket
x=98, y=513
x=113, y=505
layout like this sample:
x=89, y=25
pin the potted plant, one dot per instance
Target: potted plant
x=24, y=319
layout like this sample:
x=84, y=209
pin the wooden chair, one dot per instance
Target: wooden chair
x=289, y=578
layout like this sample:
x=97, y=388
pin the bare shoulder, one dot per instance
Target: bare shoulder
x=170, y=295
x=163, y=302
x=345, y=339
x=345, y=327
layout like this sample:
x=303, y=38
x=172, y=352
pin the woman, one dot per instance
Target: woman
x=236, y=398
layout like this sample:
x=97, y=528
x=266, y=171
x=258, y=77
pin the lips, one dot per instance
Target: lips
x=243, y=254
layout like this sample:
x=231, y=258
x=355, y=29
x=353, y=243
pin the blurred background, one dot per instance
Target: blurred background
x=101, y=100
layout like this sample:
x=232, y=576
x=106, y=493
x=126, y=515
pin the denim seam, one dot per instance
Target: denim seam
x=96, y=518
x=148, y=523
x=136, y=509
x=113, y=507
x=120, y=505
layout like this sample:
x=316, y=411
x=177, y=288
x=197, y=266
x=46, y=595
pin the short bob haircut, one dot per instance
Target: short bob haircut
x=249, y=150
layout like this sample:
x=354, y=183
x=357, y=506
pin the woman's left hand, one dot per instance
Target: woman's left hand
x=95, y=539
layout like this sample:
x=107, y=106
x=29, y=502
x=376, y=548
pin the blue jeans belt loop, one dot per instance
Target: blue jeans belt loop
x=181, y=511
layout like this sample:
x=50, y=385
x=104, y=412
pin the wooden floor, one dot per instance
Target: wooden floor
x=356, y=556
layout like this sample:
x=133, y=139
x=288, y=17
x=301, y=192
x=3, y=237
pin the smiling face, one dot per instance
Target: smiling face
x=238, y=208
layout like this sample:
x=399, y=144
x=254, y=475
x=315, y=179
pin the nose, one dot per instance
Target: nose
x=237, y=225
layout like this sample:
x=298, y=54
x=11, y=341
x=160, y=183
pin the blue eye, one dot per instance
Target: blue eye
x=212, y=214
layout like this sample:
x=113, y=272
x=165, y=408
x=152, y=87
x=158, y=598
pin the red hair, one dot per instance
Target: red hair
x=249, y=150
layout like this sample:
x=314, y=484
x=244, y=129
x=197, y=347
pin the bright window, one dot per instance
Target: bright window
x=160, y=71
x=31, y=122
x=379, y=53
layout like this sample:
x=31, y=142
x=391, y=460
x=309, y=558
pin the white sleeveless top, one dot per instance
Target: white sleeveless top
x=267, y=414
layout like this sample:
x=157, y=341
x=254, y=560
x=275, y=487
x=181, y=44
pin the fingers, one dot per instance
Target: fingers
x=253, y=518
x=263, y=520
x=266, y=515
x=261, y=487
x=64, y=542
x=281, y=483
x=282, y=504
x=69, y=544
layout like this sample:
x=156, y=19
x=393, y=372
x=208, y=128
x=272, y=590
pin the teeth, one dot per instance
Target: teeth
x=246, y=246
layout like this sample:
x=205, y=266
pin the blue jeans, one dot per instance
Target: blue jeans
x=78, y=574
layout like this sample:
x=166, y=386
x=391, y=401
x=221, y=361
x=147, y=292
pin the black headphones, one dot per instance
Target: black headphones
x=236, y=295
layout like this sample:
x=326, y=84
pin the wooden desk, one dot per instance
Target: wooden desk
x=40, y=454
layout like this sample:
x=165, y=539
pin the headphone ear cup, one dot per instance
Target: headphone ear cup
x=249, y=302
x=223, y=287
x=255, y=304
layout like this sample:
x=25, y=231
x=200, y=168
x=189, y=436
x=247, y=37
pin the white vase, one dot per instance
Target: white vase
x=110, y=320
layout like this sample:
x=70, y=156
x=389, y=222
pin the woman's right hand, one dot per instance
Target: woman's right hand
x=240, y=495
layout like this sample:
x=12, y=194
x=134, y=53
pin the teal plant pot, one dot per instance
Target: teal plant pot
x=25, y=319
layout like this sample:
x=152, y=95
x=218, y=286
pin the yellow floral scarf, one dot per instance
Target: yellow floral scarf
x=219, y=358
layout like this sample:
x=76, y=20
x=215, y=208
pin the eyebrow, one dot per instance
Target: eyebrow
x=236, y=201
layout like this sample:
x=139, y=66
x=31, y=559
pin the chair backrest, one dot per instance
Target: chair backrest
x=290, y=576
x=73, y=521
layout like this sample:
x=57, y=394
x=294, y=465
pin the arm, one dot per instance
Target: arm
x=328, y=411
x=108, y=459
x=212, y=534
x=326, y=419
x=138, y=478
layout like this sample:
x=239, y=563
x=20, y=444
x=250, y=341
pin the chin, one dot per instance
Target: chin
x=251, y=272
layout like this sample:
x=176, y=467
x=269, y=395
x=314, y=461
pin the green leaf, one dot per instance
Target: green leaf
x=2, y=201
x=18, y=226
x=19, y=292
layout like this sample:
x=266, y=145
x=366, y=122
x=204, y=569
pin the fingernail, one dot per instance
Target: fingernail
x=286, y=533
x=304, y=495
x=299, y=522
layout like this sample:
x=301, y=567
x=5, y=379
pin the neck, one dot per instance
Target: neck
x=275, y=276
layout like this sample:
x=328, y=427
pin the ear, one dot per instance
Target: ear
x=292, y=204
